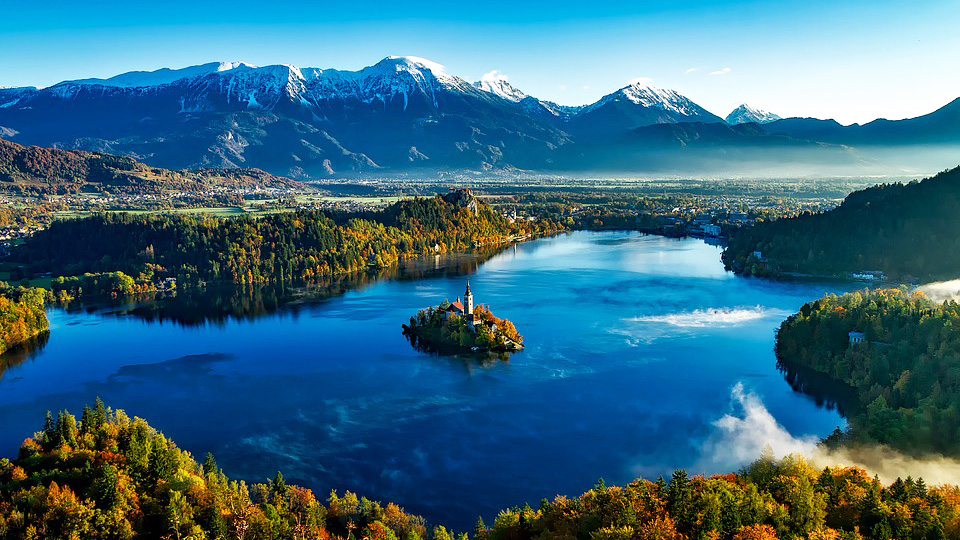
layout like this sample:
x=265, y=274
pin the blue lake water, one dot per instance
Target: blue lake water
x=634, y=346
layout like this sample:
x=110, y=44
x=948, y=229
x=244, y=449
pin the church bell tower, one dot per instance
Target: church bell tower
x=468, y=300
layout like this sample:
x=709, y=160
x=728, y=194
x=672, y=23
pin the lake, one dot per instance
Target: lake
x=642, y=355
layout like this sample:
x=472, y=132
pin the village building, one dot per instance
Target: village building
x=711, y=229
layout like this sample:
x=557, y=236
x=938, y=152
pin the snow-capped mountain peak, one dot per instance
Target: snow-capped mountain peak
x=746, y=114
x=418, y=68
x=496, y=83
x=414, y=62
x=642, y=92
x=394, y=76
x=267, y=86
x=227, y=66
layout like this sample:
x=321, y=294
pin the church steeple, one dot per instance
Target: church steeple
x=468, y=299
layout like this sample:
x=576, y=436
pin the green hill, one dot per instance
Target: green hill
x=299, y=245
x=904, y=371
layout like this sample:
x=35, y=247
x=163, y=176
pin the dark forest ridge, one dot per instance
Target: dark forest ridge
x=899, y=230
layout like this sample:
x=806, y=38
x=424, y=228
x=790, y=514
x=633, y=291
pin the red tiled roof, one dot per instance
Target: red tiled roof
x=456, y=306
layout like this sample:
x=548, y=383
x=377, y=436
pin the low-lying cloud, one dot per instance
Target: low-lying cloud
x=741, y=436
x=702, y=318
x=940, y=291
x=649, y=328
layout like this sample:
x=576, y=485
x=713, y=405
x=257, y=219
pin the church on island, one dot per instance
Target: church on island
x=465, y=309
x=462, y=326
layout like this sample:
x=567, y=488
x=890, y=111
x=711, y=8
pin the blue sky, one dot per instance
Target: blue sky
x=853, y=61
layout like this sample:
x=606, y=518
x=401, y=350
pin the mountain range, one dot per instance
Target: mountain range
x=408, y=115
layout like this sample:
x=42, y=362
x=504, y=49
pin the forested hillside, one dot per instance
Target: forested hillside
x=22, y=316
x=279, y=247
x=30, y=169
x=107, y=476
x=906, y=372
x=899, y=229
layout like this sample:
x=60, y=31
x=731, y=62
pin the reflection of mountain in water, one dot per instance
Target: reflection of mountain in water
x=22, y=352
x=217, y=304
x=825, y=390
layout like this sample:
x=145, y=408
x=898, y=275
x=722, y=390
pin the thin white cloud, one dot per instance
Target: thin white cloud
x=690, y=70
x=586, y=87
x=723, y=71
x=562, y=87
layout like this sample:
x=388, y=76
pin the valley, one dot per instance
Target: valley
x=606, y=271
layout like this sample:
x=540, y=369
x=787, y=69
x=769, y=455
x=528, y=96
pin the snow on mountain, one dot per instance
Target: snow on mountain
x=135, y=79
x=539, y=106
x=253, y=87
x=496, y=83
x=644, y=94
x=637, y=105
x=401, y=111
x=11, y=95
x=394, y=76
x=745, y=114
x=264, y=87
x=238, y=84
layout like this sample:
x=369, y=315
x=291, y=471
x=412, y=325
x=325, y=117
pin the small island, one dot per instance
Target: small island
x=459, y=327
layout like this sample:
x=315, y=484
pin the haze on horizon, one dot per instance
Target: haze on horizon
x=853, y=62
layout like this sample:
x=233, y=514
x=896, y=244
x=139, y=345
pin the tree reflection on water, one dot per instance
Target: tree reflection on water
x=22, y=352
x=219, y=303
